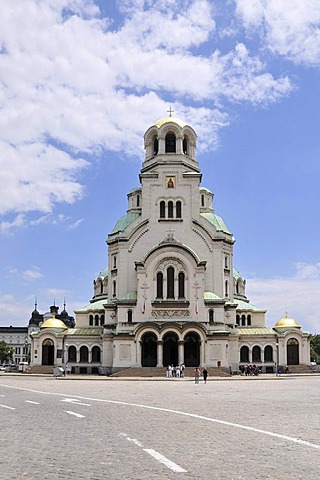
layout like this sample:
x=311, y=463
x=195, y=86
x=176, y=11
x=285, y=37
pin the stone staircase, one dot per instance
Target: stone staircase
x=299, y=369
x=161, y=372
x=41, y=369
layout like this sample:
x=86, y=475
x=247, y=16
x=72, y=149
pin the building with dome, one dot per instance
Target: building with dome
x=170, y=293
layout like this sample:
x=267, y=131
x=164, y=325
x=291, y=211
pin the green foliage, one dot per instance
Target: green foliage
x=6, y=351
x=315, y=348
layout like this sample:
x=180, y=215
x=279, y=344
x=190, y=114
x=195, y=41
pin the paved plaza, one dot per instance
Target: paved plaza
x=98, y=428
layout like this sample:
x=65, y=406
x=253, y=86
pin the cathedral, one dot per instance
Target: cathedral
x=170, y=293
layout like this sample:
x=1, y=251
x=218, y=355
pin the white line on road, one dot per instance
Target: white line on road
x=75, y=414
x=75, y=401
x=178, y=412
x=158, y=456
x=33, y=403
x=6, y=406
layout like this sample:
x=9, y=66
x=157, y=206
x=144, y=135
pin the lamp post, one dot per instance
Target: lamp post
x=26, y=350
x=277, y=358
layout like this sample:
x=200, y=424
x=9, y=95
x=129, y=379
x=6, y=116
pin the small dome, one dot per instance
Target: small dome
x=286, y=323
x=53, y=323
x=169, y=119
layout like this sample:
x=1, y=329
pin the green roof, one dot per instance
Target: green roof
x=85, y=331
x=211, y=296
x=103, y=274
x=135, y=189
x=98, y=305
x=255, y=331
x=124, y=222
x=216, y=221
x=130, y=296
x=236, y=274
x=242, y=305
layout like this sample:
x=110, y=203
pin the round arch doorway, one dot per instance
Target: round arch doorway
x=149, y=350
x=192, y=350
x=47, y=352
x=293, y=352
x=170, y=349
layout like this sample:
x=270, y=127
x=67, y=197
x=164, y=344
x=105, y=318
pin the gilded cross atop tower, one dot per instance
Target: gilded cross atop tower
x=170, y=111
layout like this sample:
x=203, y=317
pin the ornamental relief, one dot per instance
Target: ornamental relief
x=170, y=262
x=170, y=313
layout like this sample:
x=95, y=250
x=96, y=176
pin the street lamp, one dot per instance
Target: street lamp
x=277, y=358
x=26, y=350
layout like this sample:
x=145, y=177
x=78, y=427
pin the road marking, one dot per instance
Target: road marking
x=30, y=401
x=158, y=456
x=75, y=401
x=178, y=412
x=75, y=414
x=6, y=406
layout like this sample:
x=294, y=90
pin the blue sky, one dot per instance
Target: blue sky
x=81, y=81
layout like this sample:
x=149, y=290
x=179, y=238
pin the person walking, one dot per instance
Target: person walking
x=196, y=375
x=205, y=374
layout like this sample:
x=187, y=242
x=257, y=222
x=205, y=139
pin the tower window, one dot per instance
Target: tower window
x=155, y=146
x=202, y=200
x=170, y=209
x=170, y=143
x=185, y=146
x=226, y=289
x=114, y=288
x=178, y=209
x=91, y=320
x=138, y=200
x=170, y=282
x=181, y=285
x=159, y=285
x=129, y=316
x=162, y=209
x=211, y=316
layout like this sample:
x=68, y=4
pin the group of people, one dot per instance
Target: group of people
x=249, y=370
x=177, y=372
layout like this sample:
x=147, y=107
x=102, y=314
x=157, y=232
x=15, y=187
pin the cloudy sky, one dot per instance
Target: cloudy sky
x=80, y=83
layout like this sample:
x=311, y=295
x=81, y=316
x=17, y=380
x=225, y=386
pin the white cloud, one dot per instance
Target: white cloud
x=8, y=226
x=72, y=82
x=291, y=29
x=298, y=295
x=29, y=274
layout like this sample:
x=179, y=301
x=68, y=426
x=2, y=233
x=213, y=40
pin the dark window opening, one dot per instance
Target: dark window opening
x=159, y=285
x=170, y=209
x=129, y=316
x=181, y=284
x=170, y=143
x=155, y=146
x=185, y=146
x=178, y=209
x=162, y=209
x=170, y=282
x=211, y=316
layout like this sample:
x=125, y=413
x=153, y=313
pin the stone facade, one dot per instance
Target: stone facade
x=171, y=293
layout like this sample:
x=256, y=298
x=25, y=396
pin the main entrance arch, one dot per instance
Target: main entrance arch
x=192, y=350
x=293, y=352
x=47, y=352
x=149, y=350
x=170, y=349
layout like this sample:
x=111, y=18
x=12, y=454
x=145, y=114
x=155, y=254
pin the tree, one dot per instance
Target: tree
x=6, y=351
x=315, y=348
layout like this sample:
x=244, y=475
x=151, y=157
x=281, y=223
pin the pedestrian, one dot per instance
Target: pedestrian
x=178, y=371
x=182, y=367
x=205, y=374
x=196, y=375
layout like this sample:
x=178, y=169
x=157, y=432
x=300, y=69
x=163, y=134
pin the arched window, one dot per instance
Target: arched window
x=170, y=143
x=244, y=354
x=138, y=200
x=211, y=316
x=178, y=209
x=159, y=285
x=256, y=354
x=72, y=354
x=202, y=200
x=101, y=320
x=91, y=320
x=243, y=320
x=170, y=282
x=96, y=354
x=162, y=209
x=226, y=288
x=268, y=353
x=114, y=288
x=185, y=146
x=84, y=354
x=96, y=320
x=101, y=288
x=155, y=146
x=249, y=320
x=114, y=261
x=226, y=261
x=170, y=209
x=238, y=320
x=181, y=284
x=129, y=316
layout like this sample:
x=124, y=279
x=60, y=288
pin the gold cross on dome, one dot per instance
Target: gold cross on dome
x=170, y=111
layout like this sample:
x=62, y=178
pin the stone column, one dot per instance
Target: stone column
x=159, y=353
x=180, y=352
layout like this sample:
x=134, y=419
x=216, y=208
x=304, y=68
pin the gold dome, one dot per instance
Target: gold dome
x=170, y=119
x=286, y=323
x=53, y=323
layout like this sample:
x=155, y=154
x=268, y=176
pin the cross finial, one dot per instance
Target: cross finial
x=170, y=111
